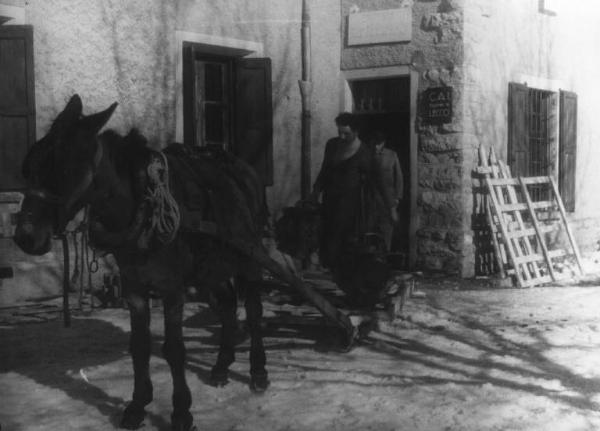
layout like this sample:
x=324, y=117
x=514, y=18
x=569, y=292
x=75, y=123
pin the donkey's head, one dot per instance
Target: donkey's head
x=59, y=169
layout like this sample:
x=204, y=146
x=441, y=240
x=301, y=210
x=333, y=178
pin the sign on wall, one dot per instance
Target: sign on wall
x=436, y=107
x=382, y=26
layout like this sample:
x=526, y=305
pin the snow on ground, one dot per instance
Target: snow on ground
x=468, y=360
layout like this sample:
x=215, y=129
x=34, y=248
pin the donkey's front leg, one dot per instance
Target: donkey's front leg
x=174, y=353
x=259, y=381
x=140, y=349
x=223, y=302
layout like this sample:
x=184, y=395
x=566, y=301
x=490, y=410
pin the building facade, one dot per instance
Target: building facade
x=439, y=77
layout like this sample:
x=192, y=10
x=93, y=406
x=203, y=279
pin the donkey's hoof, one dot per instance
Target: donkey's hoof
x=349, y=339
x=182, y=422
x=219, y=380
x=259, y=383
x=133, y=416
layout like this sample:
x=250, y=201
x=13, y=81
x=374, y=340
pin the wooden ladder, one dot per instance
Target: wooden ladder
x=518, y=228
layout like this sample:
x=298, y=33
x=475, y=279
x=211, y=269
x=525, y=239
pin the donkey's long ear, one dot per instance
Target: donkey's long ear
x=95, y=122
x=70, y=114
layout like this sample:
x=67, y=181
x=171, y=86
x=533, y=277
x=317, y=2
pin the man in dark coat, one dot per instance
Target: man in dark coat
x=352, y=197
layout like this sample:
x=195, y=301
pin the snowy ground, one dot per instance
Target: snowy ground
x=468, y=360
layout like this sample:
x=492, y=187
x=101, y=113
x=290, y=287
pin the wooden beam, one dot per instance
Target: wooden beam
x=536, y=225
x=563, y=214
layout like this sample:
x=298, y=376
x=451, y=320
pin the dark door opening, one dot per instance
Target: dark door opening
x=384, y=105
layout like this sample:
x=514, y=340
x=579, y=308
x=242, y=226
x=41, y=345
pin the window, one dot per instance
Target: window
x=548, y=7
x=541, y=107
x=227, y=102
x=533, y=146
x=212, y=110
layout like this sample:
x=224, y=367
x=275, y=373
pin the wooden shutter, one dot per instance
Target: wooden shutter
x=567, y=148
x=552, y=129
x=17, y=103
x=518, y=129
x=189, y=89
x=254, y=115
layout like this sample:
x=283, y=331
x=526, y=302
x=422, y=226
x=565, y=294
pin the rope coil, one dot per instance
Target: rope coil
x=165, y=219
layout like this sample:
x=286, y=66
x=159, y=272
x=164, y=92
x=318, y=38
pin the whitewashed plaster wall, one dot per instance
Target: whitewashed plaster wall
x=277, y=24
x=106, y=51
x=125, y=51
x=502, y=42
x=577, y=66
x=515, y=41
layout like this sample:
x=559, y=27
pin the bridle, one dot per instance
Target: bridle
x=56, y=200
x=45, y=196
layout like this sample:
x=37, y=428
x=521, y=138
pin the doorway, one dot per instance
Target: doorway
x=383, y=104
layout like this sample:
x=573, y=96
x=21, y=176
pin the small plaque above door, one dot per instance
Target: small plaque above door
x=382, y=26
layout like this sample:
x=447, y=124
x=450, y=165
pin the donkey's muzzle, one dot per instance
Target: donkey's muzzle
x=31, y=240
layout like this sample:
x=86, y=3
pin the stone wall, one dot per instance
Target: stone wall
x=435, y=51
x=440, y=170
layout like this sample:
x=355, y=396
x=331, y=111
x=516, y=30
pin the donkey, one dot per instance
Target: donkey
x=73, y=167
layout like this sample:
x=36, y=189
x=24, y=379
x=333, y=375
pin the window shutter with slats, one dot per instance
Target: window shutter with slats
x=518, y=129
x=254, y=115
x=567, y=148
x=17, y=103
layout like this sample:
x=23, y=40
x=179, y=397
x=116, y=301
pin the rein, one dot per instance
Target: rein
x=45, y=196
x=81, y=188
x=56, y=200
